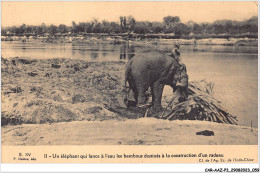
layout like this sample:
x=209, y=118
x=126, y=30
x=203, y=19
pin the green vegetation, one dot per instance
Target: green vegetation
x=128, y=25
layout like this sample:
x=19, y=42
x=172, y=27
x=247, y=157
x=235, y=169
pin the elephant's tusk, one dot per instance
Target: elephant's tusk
x=146, y=112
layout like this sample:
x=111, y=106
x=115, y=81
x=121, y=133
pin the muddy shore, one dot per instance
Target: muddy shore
x=58, y=90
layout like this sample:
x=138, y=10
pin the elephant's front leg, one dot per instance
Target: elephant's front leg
x=157, y=94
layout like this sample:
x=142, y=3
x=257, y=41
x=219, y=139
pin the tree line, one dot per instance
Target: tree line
x=127, y=24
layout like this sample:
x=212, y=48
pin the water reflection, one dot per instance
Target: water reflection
x=127, y=52
x=108, y=52
x=122, y=52
x=131, y=52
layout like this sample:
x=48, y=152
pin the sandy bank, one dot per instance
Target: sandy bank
x=143, y=131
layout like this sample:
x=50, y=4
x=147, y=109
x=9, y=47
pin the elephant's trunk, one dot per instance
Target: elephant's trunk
x=180, y=83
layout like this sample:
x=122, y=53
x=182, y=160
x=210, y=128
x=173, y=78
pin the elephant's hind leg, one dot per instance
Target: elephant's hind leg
x=141, y=98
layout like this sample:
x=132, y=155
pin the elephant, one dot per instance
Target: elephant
x=153, y=70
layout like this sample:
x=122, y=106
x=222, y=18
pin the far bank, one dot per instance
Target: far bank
x=154, y=39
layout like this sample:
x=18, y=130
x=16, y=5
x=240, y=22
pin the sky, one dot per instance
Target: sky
x=35, y=13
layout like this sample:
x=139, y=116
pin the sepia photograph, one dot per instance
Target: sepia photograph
x=124, y=73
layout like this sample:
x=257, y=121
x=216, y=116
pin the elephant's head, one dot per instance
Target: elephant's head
x=180, y=83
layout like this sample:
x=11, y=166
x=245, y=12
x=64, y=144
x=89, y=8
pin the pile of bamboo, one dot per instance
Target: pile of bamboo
x=200, y=105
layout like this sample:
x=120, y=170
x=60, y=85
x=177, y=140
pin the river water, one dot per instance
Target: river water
x=234, y=70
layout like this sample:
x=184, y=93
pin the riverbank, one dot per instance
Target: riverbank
x=244, y=41
x=36, y=91
x=84, y=103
